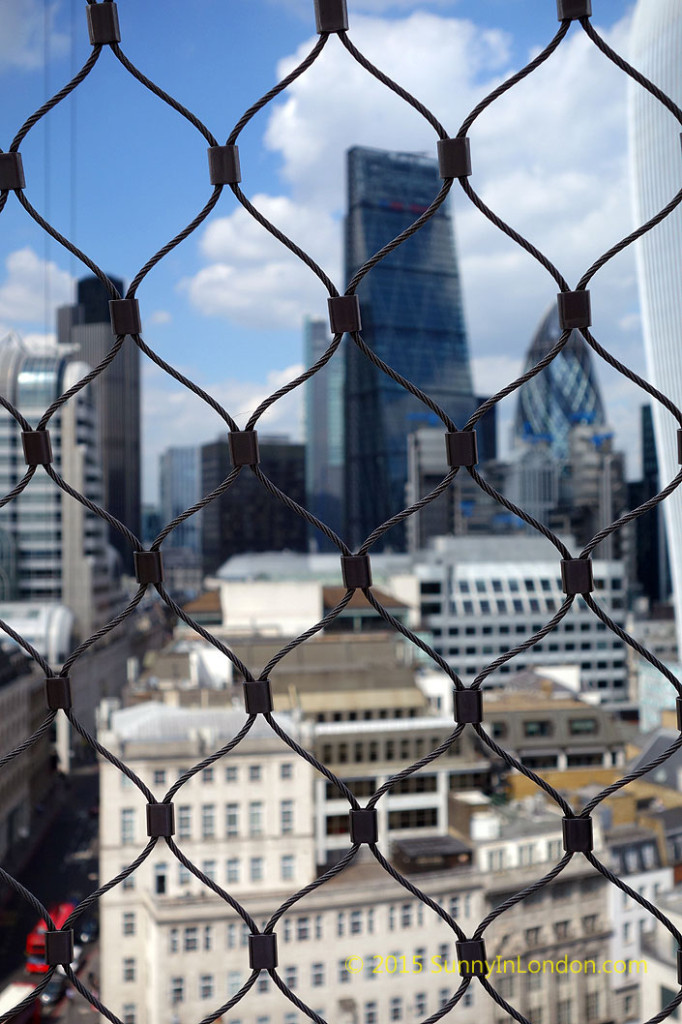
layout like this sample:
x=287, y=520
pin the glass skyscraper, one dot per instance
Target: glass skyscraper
x=656, y=174
x=412, y=317
x=323, y=432
x=562, y=395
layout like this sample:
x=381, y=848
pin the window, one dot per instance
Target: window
x=231, y=773
x=318, y=926
x=495, y=860
x=206, y=986
x=420, y=1004
x=256, y=818
x=302, y=928
x=256, y=869
x=232, y=872
x=563, y=1011
x=208, y=937
x=129, y=968
x=356, y=922
x=191, y=940
x=207, y=775
x=262, y=983
x=177, y=990
x=526, y=854
x=129, y=882
x=395, y=1011
x=343, y=973
x=208, y=821
x=590, y=922
x=317, y=975
x=255, y=773
x=160, y=872
x=286, y=770
x=291, y=977
x=173, y=940
x=184, y=821
x=371, y=1013
x=579, y=726
x=592, y=1005
x=231, y=819
x=340, y=921
x=159, y=777
x=287, y=867
x=286, y=816
x=184, y=875
x=234, y=982
x=537, y=728
x=532, y=936
x=209, y=869
x=128, y=1013
x=562, y=929
x=128, y=927
x=406, y=915
x=127, y=825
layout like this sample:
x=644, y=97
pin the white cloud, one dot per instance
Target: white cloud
x=23, y=24
x=175, y=416
x=159, y=317
x=32, y=289
x=252, y=278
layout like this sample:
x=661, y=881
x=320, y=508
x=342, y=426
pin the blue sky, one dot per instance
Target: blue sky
x=126, y=173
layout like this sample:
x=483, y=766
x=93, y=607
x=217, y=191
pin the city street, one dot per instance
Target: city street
x=62, y=868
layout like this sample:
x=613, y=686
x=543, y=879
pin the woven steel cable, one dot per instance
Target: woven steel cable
x=379, y=531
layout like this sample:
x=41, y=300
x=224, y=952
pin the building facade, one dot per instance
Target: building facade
x=655, y=158
x=179, y=488
x=412, y=318
x=59, y=551
x=85, y=328
x=246, y=517
x=563, y=394
x=324, y=433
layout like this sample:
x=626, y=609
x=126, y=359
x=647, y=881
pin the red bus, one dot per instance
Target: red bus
x=35, y=940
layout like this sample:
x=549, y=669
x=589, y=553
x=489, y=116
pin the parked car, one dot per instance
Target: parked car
x=54, y=990
x=89, y=931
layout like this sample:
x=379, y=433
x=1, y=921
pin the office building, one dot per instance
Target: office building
x=656, y=37
x=412, y=318
x=253, y=822
x=652, y=567
x=59, y=551
x=324, y=433
x=482, y=596
x=563, y=394
x=179, y=488
x=247, y=517
x=86, y=329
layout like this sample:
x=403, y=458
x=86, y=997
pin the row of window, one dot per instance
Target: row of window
x=208, y=826
x=232, y=773
x=530, y=586
x=407, y=749
x=416, y=817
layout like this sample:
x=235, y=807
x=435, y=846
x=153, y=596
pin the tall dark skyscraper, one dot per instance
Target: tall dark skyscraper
x=245, y=518
x=412, y=318
x=117, y=392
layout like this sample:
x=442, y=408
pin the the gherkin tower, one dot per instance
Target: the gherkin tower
x=560, y=396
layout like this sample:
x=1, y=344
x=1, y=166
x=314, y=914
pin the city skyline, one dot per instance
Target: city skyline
x=186, y=296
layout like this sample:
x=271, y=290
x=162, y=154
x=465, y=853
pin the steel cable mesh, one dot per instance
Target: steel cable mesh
x=105, y=34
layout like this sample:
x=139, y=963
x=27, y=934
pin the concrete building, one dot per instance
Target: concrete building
x=251, y=822
x=25, y=780
x=480, y=597
x=84, y=332
x=59, y=548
